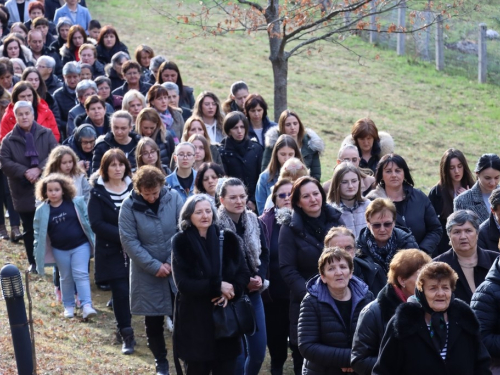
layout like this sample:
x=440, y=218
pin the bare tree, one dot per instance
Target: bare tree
x=296, y=26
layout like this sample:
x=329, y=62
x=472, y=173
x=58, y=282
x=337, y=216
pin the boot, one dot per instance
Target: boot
x=162, y=368
x=3, y=232
x=158, y=348
x=276, y=370
x=15, y=234
x=127, y=335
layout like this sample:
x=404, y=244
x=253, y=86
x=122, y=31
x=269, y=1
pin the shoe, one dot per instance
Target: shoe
x=32, y=269
x=57, y=292
x=127, y=335
x=15, y=234
x=170, y=325
x=110, y=303
x=3, y=232
x=88, y=311
x=162, y=368
x=69, y=312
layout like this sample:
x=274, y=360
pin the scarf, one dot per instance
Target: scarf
x=382, y=255
x=168, y=120
x=316, y=226
x=208, y=249
x=399, y=293
x=438, y=329
x=240, y=147
x=29, y=137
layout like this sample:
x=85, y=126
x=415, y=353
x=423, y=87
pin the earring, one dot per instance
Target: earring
x=404, y=286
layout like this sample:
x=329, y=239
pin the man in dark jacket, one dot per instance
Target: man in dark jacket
x=38, y=49
x=489, y=230
x=65, y=96
x=469, y=261
x=45, y=65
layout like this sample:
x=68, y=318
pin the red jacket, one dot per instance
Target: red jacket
x=45, y=118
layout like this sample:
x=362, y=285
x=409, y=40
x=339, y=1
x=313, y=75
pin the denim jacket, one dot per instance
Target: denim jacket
x=173, y=181
x=263, y=189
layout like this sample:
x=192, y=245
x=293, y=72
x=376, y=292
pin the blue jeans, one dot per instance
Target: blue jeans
x=256, y=344
x=74, y=270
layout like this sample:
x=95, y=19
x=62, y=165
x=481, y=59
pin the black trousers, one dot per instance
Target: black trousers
x=219, y=367
x=156, y=340
x=278, y=328
x=121, y=304
x=29, y=234
x=6, y=200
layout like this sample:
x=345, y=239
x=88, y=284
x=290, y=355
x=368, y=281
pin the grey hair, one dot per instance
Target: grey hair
x=184, y=144
x=63, y=21
x=23, y=104
x=71, y=67
x=171, y=86
x=345, y=147
x=156, y=62
x=119, y=56
x=18, y=61
x=87, y=131
x=84, y=86
x=122, y=114
x=47, y=60
x=189, y=207
x=495, y=199
x=460, y=217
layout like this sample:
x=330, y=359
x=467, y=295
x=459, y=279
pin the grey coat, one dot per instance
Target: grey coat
x=146, y=238
x=472, y=199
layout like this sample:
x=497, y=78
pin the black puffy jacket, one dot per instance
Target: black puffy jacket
x=324, y=340
x=370, y=329
x=104, y=55
x=489, y=235
x=104, y=143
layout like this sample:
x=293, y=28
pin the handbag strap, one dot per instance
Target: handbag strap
x=221, y=250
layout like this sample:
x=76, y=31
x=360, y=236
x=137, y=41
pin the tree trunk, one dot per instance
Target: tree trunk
x=280, y=74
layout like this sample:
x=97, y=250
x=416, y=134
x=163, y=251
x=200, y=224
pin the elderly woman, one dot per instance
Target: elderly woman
x=147, y=223
x=114, y=69
x=174, y=98
x=46, y=65
x=329, y=314
x=154, y=66
x=195, y=266
x=104, y=91
x=300, y=244
x=23, y=155
x=88, y=55
x=65, y=97
x=381, y=239
x=468, y=260
x=414, y=209
x=121, y=136
x=436, y=335
x=82, y=143
x=373, y=320
x=133, y=102
x=489, y=231
x=131, y=70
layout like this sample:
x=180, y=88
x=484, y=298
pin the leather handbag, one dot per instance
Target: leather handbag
x=238, y=317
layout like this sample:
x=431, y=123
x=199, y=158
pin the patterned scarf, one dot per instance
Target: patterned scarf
x=168, y=120
x=382, y=255
x=29, y=137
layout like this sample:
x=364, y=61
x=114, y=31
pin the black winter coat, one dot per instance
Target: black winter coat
x=84, y=119
x=104, y=143
x=194, y=338
x=167, y=148
x=123, y=89
x=407, y=347
x=104, y=55
x=246, y=167
x=110, y=259
x=486, y=305
x=324, y=340
x=54, y=107
x=74, y=143
x=418, y=215
x=485, y=259
x=67, y=54
x=66, y=101
x=371, y=326
x=299, y=252
x=116, y=81
x=436, y=198
x=489, y=235
x=53, y=83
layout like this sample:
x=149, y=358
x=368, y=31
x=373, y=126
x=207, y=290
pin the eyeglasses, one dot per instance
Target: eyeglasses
x=386, y=225
x=150, y=153
x=131, y=74
x=185, y=156
x=284, y=195
x=41, y=66
x=87, y=142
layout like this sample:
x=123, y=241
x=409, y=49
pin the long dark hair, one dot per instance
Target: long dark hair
x=198, y=182
x=284, y=140
x=170, y=65
x=42, y=88
x=446, y=182
x=399, y=161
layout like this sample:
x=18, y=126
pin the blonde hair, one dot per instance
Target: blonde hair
x=55, y=158
x=293, y=169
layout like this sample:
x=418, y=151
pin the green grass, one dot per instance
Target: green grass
x=425, y=111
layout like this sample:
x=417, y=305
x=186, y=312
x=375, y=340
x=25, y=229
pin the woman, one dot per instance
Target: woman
x=414, y=209
x=195, y=125
x=88, y=55
x=489, y=232
x=437, y=335
x=277, y=299
x=476, y=199
x=207, y=107
x=207, y=180
x=121, y=136
x=284, y=149
x=27, y=137
x=143, y=55
x=111, y=185
x=373, y=320
x=195, y=266
x=148, y=153
x=171, y=118
x=371, y=144
x=108, y=44
x=234, y=216
x=18, y=10
x=114, y=69
x=202, y=154
x=381, y=239
x=19, y=66
x=345, y=195
x=256, y=112
x=183, y=177
x=62, y=27
x=300, y=245
x=149, y=124
x=131, y=71
x=76, y=37
x=13, y=48
x=236, y=99
x=169, y=72
x=310, y=144
x=104, y=91
x=80, y=15
x=82, y=143
x=329, y=314
x=455, y=178
x=24, y=91
x=133, y=102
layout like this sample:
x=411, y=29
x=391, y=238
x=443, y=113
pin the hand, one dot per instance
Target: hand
x=168, y=267
x=251, y=206
x=460, y=190
x=32, y=174
x=84, y=165
x=347, y=369
x=254, y=284
x=162, y=272
x=221, y=301
x=227, y=290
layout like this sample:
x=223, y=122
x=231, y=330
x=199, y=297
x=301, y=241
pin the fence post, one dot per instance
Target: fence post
x=401, y=28
x=439, y=43
x=481, y=54
x=373, y=23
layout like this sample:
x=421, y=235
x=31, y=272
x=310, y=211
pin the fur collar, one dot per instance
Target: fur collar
x=311, y=138
x=386, y=143
x=388, y=301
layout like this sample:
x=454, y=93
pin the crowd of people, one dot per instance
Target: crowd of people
x=189, y=203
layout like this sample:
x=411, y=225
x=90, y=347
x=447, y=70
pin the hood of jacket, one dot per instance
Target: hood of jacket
x=386, y=143
x=311, y=139
x=379, y=192
x=138, y=203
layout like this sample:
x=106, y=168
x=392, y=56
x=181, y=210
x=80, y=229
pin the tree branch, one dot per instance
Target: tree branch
x=252, y=4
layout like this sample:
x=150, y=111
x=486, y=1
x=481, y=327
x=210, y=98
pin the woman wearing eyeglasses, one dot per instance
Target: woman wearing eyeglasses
x=183, y=177
x=148, y=153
